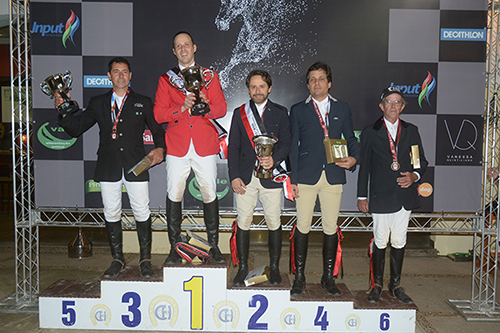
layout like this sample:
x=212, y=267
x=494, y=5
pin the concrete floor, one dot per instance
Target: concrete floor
x=430, y=280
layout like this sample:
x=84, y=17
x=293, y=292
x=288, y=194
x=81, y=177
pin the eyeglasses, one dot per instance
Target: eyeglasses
x=395, y=103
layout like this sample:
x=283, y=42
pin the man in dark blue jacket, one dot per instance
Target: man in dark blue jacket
x=320, y=117
x=259, y=116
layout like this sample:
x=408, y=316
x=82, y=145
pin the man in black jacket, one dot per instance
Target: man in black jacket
x=392, y=162
x=259, y=116
x=122, y=116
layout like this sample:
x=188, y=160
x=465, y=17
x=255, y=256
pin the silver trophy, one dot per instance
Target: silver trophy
x=264, y=145
x=60, y=83
x=193, y=82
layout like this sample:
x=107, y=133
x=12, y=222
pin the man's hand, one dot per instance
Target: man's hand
x=157, y=155
x=347, y=162
x=58, y=100
x=363, y=206
x=295, y=191
x=204, y=98
x=407, y=180
x=238, y=186
x=188, y=102
x=267, y=162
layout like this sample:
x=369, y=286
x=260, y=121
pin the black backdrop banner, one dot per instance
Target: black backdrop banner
x=433, y=50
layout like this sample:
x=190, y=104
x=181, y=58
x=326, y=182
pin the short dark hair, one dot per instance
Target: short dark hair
x=180, y=33
x=265, y=76
x=118, y=60
x=320, y=65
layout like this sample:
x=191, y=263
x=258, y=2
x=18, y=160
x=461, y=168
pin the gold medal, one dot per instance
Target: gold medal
x=395, y=166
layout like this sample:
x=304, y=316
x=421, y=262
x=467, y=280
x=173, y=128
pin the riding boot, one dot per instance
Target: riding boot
x=275, y=238
x=378, y=262
x=211, y=217
x=242, y=245
x=395, y=289
x=144, y=235
x=174, y=220
x=300, y=242
x=114, y=231
x=330, y=243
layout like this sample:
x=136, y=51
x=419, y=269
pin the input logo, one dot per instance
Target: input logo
x=72, y=25
x=427, y=87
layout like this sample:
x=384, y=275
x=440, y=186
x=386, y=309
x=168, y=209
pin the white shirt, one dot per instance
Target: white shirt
x=324, y=108
x=261, y=108
x=393, y=128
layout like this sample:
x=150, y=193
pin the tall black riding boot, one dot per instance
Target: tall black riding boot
x=242, y=246
x=114, y=231
x=395, y=289
x=300, y=242
x=330, y=243
x=275, y=238
x=211, y=217
x=174, y=220
x=144, y=235
x=378, y=262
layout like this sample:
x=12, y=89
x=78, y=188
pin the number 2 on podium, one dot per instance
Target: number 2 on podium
x=195, y=287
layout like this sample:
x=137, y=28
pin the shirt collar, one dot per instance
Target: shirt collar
x=311, y=98
x=182, y=67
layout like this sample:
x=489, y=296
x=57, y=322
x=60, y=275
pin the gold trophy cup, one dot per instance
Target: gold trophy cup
x=193, y=82
x=264, y=147
x=60, y=83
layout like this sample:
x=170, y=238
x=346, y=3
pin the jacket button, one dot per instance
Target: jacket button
x=121, y=134
x=121, y=120
x=121, y=149
x=191, y=126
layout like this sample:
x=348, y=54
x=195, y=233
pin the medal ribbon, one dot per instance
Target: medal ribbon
x=321, y=120
x=391, y=142
x=113, y=108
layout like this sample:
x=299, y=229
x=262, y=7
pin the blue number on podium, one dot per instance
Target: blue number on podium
x=133, y=308
x=66, y=310
x=252, y=322
x=321, y=320
x=384, y=321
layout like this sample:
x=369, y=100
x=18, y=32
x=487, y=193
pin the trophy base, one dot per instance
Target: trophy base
x=200, y=109
x=68, y=107
x=263, y=175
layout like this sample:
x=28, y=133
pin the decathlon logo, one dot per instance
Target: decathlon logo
x=97, y=81
x=478, y=35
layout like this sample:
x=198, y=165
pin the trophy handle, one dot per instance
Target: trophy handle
x=68, y=78
x=208, y=76
x=46, y=89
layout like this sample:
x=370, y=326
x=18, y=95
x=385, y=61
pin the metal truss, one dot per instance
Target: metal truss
x=28, y=217
x=483, y=305
x=26, y=233
x=348, y=221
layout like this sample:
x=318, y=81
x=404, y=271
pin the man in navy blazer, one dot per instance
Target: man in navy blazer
x=392, y=162
x=246, y=123
x=122, y=116
x=313, y=120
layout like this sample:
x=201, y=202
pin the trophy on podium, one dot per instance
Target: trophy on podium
x=60, y=83
x=193, y=82
x=264, y=147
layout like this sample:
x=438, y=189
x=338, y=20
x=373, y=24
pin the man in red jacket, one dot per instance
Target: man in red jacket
x=192, y=142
